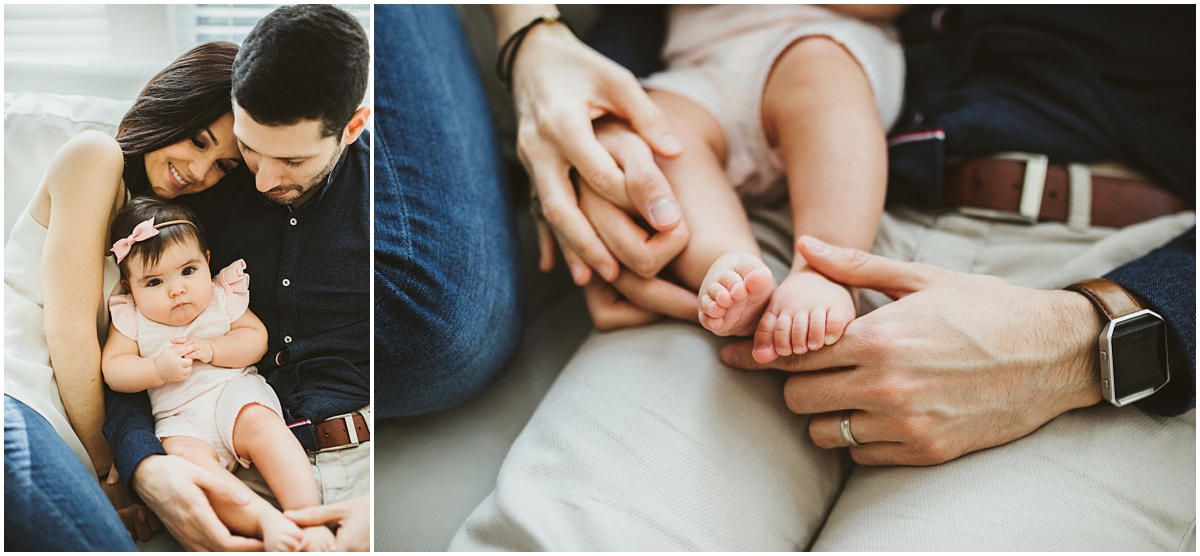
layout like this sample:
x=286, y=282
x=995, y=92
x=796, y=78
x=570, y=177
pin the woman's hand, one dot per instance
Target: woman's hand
x=138, y=519
x=560, y=87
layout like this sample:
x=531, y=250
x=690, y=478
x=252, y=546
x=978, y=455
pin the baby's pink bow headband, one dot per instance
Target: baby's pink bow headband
x=141, y=232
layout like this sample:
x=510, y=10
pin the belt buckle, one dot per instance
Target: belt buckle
x=350, y=432
x=1034, y=184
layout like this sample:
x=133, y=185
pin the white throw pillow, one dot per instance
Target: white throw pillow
x=36, y=125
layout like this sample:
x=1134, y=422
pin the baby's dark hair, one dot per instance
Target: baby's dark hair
x=140, y=209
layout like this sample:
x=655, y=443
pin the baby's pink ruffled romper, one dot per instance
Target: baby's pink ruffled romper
x=207, y=403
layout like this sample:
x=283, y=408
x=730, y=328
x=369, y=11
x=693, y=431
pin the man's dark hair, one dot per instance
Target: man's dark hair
x=187, y=96
x=305, y=62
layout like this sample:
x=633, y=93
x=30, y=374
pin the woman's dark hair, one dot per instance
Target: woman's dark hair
x=189, y=95
x=303, y=62
x=140, y=209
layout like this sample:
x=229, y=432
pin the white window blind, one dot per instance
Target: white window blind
x=56, y=33
x=199, y=23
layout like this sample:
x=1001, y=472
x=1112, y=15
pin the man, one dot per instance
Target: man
x=647, y=442
x=303, y=227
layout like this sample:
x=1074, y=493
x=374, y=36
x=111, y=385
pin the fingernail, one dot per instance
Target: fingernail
x=664, y=212
x=815, y=245
x=669, y=142
x=241, y=498
x=576, y=272
x=830, y=340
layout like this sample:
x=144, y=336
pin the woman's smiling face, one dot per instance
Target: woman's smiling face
x=195, y=164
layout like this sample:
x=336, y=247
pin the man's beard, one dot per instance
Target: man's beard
x=316, y=182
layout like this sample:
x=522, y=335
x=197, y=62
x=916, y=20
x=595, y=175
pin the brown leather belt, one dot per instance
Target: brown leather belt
x=343, y=431
x=1026, y=188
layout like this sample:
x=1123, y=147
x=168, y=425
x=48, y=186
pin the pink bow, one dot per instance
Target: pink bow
x=141, y=232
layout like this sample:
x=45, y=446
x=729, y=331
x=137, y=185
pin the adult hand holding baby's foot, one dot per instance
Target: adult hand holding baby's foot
x=174, y=363
x=734, y=293
x=320, y=539
x=279, y=534
x=807, y=312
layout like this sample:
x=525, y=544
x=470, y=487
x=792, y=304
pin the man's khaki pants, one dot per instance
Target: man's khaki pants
x=647, y=442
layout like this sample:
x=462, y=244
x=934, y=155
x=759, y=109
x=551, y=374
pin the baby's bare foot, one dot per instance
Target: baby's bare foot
x=806, y=313
x=734, y=293
x=320, y=539
x=279, y=534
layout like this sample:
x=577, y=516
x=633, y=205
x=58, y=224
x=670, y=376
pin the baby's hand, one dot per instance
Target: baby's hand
x=174, y=363
x=202, y=347
x=807, y=312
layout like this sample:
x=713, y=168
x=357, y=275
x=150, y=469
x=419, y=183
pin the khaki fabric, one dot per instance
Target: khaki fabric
x=647, y=442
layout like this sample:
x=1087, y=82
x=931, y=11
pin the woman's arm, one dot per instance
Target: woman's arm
x=244, y=344
x=80, y=193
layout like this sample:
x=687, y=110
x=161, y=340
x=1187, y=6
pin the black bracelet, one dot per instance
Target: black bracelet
x=508, y=52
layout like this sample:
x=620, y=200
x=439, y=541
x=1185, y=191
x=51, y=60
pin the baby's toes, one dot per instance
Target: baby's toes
x=733, y=282
x=764, y=339
x=759, y=281
x=720, y=295
x=816, y=328
x=783, y=334
x=710, y=307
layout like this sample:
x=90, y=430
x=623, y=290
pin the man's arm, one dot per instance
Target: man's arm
x=1164, y=281
x=129, y=429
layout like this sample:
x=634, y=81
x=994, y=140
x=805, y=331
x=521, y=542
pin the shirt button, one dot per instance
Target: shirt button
x=287, y=282
x=293, y=221
x=287, y=339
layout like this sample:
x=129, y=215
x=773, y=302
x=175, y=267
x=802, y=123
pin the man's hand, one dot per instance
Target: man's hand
x=560, y=87
x=174, y=363
x=958, y=363
x=178, y=491
x=353, y=518
x=201, y=349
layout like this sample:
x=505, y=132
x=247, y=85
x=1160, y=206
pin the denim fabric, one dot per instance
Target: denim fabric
x=51, y=502
x=1174, y=263
x=447, y=280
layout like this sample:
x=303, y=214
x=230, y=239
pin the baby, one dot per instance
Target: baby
x=757, y=94
x=190, y=340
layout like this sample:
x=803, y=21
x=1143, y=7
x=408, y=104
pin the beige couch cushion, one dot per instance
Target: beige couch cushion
x=36, y=125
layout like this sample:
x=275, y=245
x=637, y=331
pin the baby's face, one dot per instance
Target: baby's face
x=176, y=290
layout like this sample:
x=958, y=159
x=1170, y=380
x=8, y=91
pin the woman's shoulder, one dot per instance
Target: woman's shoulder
x=91, y=147
x=88, y=166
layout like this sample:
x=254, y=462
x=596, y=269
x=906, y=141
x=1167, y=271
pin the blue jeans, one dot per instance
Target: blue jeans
x=51, y=502
x=447, y=277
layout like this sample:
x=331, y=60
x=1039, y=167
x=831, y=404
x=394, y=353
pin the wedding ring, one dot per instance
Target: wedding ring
x=846, y=435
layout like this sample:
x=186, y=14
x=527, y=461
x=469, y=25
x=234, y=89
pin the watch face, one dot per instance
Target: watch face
x=1139, y=352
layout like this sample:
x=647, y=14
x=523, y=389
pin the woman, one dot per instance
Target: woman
x=177, y=139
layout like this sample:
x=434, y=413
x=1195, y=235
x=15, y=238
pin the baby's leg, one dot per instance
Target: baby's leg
x=722, y=259
x=257, y=519
x=261, y=436
x=819, y=111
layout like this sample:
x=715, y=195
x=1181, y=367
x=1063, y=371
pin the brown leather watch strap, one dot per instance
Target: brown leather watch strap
x=1109, y=298
x=333, y=433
